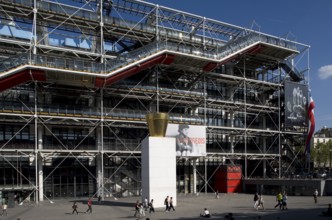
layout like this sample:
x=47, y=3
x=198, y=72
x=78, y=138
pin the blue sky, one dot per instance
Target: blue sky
x=308, y=21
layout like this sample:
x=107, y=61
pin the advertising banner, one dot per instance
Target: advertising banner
x=296, y=101
x=190, y=139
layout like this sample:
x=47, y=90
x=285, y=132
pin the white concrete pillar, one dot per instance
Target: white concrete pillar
x=99, y=165
x=99, y=175
x=159, y=170
x=231, y=139
x=195, y=177
x=264, y=161
x=231, y=119
x=186, y=175
x=40, y=165
x=40, y=179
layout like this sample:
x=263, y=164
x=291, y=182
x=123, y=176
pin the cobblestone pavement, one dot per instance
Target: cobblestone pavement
x=188, y=207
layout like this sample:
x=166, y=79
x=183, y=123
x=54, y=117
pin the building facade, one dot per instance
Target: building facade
x=78, y=77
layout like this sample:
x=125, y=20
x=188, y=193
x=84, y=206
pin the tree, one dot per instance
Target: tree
x=320, y=154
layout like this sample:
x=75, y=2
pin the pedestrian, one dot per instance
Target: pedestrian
x=136, y=208
x=171, y=204
x=89, y=206
x=146, y=203
x=141, y=210
x=278, y=200
x=151, y=206
x=74, y=208
x=260, y=202
x=99, y=199
x=17, y=198
x=4, y=209
x=284, y=201
x=217, y=194
x=206, y=213
x=256, y=201
x=166, y=203
x=316, y=195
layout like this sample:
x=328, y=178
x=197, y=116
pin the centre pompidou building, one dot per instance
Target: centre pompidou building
x=78, y=77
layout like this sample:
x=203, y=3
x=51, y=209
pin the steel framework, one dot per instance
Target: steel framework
x=78, y=77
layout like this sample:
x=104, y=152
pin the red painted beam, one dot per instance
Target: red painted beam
x=210, y=66
x=122, y=75
x=252, y=51
x=38, y=75
x=21, y=77
x=99, y=82
x=255, y=50
x=169, y=58
x=166, y=59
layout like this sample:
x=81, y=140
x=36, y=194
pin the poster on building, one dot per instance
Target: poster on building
x=296, y=104
x=190, y=139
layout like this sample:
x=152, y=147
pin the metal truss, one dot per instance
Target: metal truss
x=99, y=67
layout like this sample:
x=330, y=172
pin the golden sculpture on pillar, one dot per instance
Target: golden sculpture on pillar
x=157, y=123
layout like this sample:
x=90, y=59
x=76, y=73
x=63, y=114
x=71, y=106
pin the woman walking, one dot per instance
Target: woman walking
x=4, y=209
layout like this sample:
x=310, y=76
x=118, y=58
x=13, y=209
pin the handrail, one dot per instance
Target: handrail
x=145, y=51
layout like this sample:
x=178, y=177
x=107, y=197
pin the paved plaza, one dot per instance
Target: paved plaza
x=189, y=207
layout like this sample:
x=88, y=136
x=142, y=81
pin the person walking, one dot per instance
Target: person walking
x=279, y=200
x=284, y=201
x=316, y=195
x=146, y=203
x=151, y=206
x=4, y=209
x=261, y=201
x=256, y=198
x=171, y=204
x=217, y=194
x=166, y=203
x=74, y=207
x=141, y=210
x=99, y=199
x=136, y=208
x=89, y=206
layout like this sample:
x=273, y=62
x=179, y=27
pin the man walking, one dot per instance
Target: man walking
x=89, y=206
x=171, y=204
x=4, y=209
x=166, y=203
x=256, y=198
x=316, y=195
x=137, y=206
x=151, y=206
x=74, y=208
x=279, y=201
x=146, y=203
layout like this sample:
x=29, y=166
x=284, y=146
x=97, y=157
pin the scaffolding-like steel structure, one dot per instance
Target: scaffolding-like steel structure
x=77, y=78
